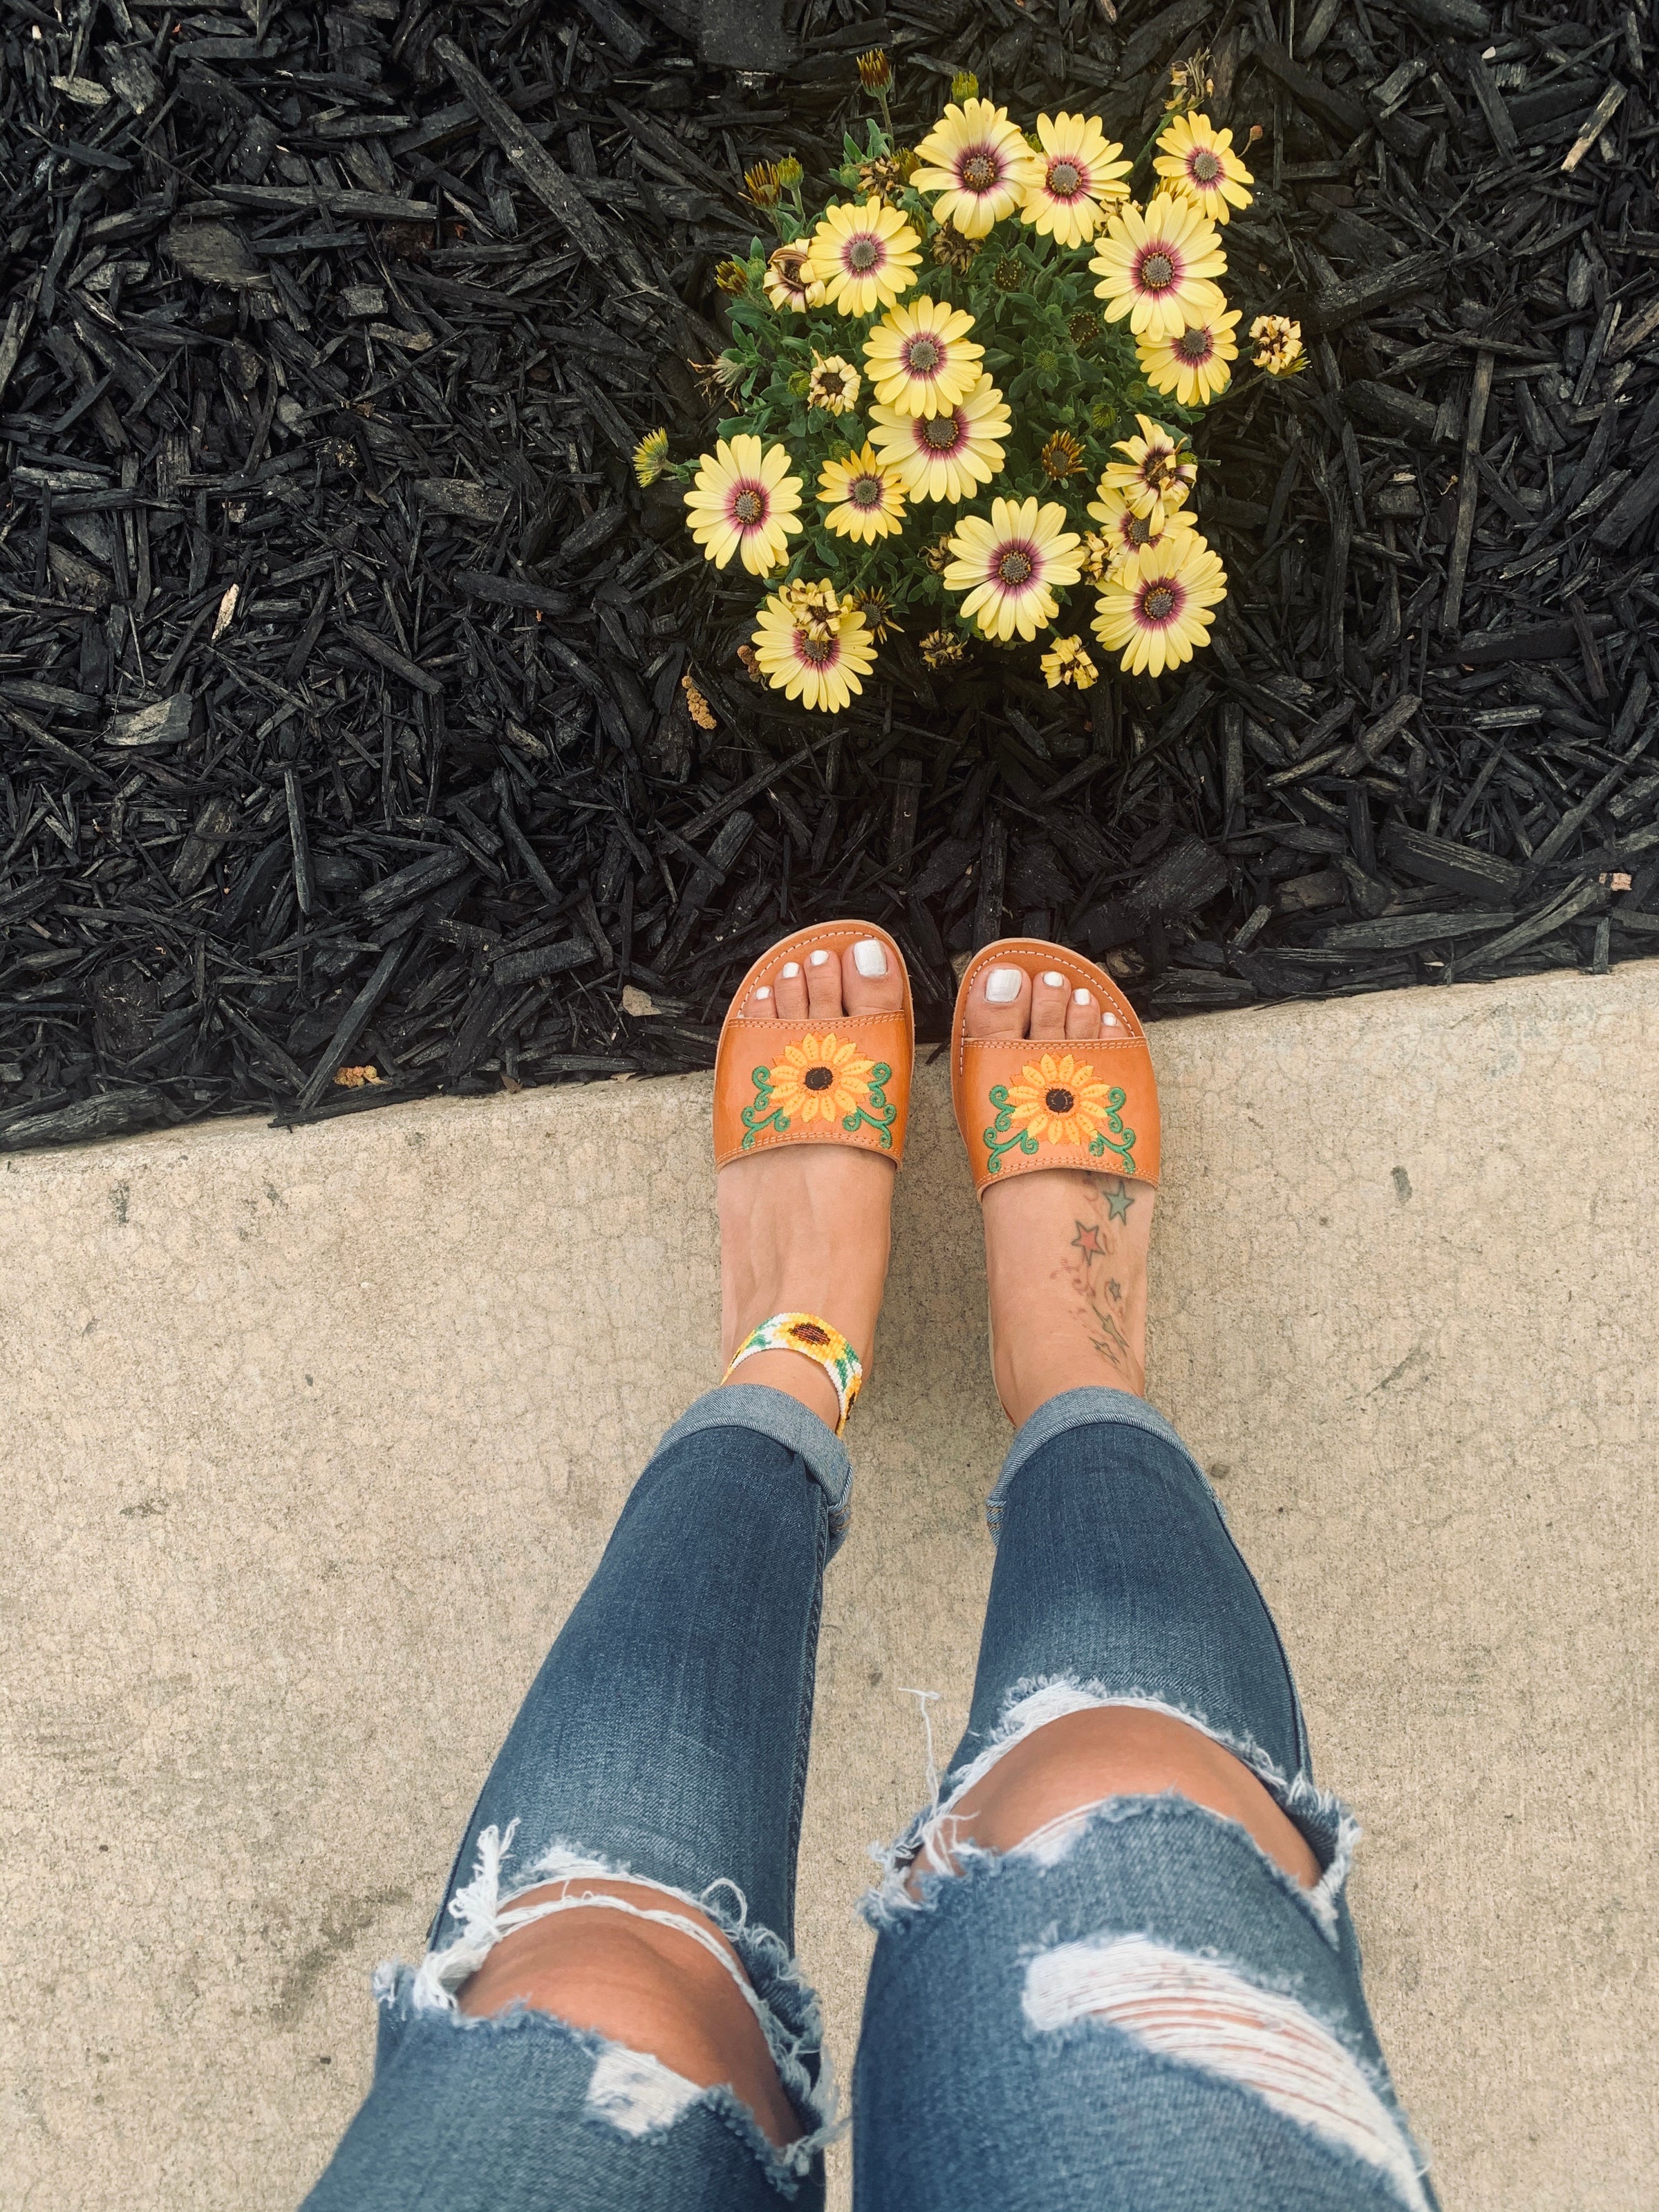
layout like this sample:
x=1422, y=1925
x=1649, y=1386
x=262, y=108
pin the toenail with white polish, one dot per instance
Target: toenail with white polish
x=1002, y=986
x=1055, y=982
x=764, y=991
x=1111, y=1020
x=869, y=957
x=1081, y=998
x=817, y=959
x=791, y=969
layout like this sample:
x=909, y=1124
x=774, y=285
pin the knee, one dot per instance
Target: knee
x=1122, y=1751
x=651, y=1987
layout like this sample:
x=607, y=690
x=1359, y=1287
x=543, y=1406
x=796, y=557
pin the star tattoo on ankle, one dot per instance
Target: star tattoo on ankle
x=1087, y=1241
x=1118, y=1201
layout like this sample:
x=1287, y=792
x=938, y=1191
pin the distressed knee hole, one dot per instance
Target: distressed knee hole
x=765, y=2065
x=1281, y=1813
x=1200, y=2014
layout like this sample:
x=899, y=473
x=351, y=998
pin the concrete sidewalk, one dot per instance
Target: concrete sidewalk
x=309, y=1441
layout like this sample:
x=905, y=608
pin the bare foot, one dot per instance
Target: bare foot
x=1064, y=1250
x=804, y=1228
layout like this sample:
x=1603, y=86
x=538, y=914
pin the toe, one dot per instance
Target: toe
x=1049, y=991
x=823, y=985
x=870, y=979
x=760, y=1006
x=1000, y=1003
x=1083, y=1014
x=789, y=988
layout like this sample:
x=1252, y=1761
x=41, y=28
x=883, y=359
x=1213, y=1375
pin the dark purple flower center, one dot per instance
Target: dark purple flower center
x=863, y=253
x=1160, y=603
x=1058, y=1101
x=981, y=171
x=1194, y=345
x=1014, y=566
x=820, y=650
x=942, y=433
x=749, y=506
x=1065, y=179
x=1204, y=168
x=866, y=491
x=923, y=355
x=1158, y=269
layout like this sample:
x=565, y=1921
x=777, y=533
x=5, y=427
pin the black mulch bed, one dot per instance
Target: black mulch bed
x=341, y=720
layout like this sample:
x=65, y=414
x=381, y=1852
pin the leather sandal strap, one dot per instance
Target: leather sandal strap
x=1024, y=1104
x=841, y=1081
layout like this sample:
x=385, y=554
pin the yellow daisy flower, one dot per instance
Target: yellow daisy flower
x=945, y=456
x=865, y=500
x=920, y=358
x=978, y=164
x=1155, y=476
x=819, y=671
x=744, y=500
x=1124, y=535
x=1077, y=171
x=1158, y=610
x=1009, y=566
x=1155, y=268
x=864, y=256
x=820, y=1078
x=1197, y=161
x=790, y=285
x=1195, y=365
x=1069, y=663
x=1060, y=1099
x=833, y=384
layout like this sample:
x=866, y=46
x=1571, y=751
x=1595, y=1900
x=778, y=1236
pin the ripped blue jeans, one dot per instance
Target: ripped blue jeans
x=1133, y=2008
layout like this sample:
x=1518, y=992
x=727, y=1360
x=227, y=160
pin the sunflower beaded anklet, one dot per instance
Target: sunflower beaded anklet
x=814, y=1339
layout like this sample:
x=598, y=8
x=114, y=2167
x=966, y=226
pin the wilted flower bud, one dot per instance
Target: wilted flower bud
x=762, y=184
x=651, y=456
x=732, y=276
x=1061, y=457
x=875, y=71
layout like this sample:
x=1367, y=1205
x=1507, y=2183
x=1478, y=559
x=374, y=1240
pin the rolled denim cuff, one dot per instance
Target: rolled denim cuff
x=1077, y=1409
x=774, y=1413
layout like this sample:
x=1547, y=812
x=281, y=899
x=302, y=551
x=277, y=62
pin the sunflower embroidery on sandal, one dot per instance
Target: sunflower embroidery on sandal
x=814, y=1339
x=1026, y=1103
x=841, y=1079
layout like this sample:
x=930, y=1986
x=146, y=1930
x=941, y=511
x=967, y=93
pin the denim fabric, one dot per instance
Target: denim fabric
x=1002, y=2061
x=1116, y=1582
x=666, y=1737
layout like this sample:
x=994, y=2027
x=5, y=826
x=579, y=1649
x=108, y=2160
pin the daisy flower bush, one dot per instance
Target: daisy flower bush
x=961, y=397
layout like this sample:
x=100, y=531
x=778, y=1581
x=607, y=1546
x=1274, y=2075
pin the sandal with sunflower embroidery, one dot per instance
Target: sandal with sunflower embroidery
x=841, y=1081
x=1026, y=1103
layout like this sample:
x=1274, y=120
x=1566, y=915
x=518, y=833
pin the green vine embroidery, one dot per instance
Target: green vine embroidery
x=1115, y=1138
x=878, y=1110
x=761, y=1114
x=997, y=1140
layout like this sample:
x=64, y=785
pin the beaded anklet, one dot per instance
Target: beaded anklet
x=814, y=1339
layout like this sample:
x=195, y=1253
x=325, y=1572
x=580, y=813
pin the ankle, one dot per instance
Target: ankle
x=796, y=1376
x=1025, y=1385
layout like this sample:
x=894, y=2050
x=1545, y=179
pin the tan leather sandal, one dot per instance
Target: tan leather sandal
x=1026, y=1103
x=845, y=1081
x=813, y=1082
